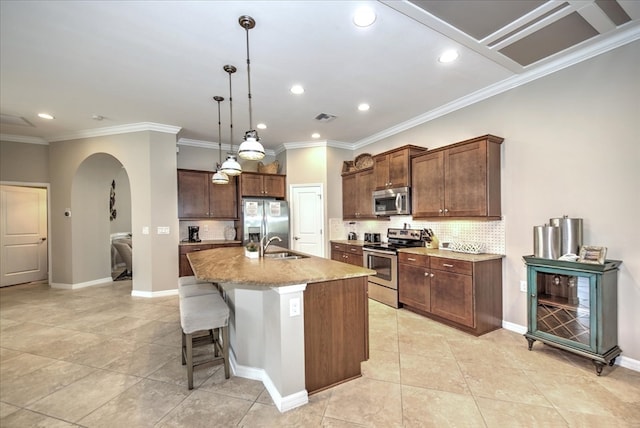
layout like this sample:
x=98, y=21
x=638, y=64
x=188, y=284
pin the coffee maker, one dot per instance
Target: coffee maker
x=194, y=233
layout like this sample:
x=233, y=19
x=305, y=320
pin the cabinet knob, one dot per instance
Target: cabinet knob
x=533, y=295
x=426, y=274
x=440, y=210
x=432, y=275
x=446, y=210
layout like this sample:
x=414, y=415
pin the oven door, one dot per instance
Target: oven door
x=385, y=263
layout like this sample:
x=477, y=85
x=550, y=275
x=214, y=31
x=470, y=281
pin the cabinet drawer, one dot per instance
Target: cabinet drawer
x=353, y=249
x=452, y=265
x=338, y=247
x=413, y=259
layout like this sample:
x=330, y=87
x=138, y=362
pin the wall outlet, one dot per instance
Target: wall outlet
x=294, y=307
x=145, y=230
x=163, y=230
x=523, y=286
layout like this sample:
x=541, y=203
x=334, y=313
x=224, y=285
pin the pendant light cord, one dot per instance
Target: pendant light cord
x=249, y=82
x=219, y=99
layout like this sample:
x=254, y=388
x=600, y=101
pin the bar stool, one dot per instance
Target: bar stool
x=204, y=312
x=190, y=286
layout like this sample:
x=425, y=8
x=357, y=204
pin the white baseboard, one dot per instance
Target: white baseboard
x=152, y=294
x=283, y=404
x=81, y=284
x=622, y=361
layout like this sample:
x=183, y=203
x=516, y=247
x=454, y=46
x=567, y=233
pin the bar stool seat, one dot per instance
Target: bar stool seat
x=190, y=286
x=204, y=313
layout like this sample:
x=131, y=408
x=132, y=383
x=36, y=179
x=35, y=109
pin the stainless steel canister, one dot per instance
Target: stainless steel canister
x=546, y=242
x=571, y=232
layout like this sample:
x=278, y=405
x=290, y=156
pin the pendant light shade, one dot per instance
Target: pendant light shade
x=231, y=167
x=219, y=177
x=250, y=148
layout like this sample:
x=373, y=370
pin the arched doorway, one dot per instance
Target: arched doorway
x=100, y=186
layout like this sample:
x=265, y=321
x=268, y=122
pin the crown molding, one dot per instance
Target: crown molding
x=23, y=139
x=213, y=146
x=623, y=37
x=120, y=129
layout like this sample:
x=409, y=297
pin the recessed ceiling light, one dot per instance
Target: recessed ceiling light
x=315, y=135
x=261, y=126
x=45, y=116
x=448, y=56
x=363, y=107
x=297, y=89
x=364, y=17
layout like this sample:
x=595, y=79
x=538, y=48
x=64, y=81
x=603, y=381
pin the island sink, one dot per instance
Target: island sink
x=284, y=255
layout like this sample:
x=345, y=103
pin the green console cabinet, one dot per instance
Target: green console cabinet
x=573, y=306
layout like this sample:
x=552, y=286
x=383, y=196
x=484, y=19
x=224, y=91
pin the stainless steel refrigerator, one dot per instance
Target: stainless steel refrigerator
x=265, y=217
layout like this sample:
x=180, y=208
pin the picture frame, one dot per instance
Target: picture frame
x=591, y=254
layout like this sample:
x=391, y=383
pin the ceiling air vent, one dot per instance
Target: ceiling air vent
x=325, y=117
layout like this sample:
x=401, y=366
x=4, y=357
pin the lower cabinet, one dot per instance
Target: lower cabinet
x=347, y=253
x=464, y=294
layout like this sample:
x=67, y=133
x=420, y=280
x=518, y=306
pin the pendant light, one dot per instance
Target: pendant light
x=231, y=166
x=219, y=177
x=250, y=148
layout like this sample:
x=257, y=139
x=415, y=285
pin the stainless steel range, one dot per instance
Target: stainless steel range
x=383, y=258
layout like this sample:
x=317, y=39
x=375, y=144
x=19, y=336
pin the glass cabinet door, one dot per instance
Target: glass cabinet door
x=561, y=306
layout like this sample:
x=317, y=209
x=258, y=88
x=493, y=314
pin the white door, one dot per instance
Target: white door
x=23, y=235
x=307, y=219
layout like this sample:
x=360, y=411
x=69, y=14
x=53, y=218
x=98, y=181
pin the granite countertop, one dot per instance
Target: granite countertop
x=229, y=265
x=358, y=243
x=451, y=254
x=211, y=242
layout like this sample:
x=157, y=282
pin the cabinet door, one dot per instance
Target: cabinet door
x=223, y=199
x=452, y=297
x=399, y=168
x=274, y=186
x=349, y=196
x=466, y=180
x=251, y=184
x=427, y=172
x=365, y=181
x=193, y=194
x=414, y=287
x=381, y=171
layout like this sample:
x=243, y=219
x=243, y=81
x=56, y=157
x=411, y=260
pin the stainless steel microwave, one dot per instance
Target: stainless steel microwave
x=392, y=202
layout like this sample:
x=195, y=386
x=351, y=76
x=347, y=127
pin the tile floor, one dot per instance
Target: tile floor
x=97, y=357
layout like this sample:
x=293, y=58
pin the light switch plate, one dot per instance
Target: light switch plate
x=523, y=286
x=163, y=230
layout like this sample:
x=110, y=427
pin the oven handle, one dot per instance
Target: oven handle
x=373, y=250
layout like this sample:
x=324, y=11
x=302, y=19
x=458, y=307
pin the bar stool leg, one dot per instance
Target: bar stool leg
x=190, y=360
x=184, y=349
x=225, y=350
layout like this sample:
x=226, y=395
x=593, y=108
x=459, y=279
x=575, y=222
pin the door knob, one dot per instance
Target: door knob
x=43, y=239
x=296, y=237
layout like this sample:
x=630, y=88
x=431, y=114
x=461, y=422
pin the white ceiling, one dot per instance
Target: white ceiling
x=162, y=62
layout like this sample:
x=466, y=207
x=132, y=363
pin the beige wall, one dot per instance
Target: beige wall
x=572, y=147
x=33, y=164
x=150, y=160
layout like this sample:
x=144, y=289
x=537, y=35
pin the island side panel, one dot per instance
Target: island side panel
x=336, y=331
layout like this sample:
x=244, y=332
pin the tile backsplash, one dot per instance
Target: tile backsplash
x=209, y=229
x=489, y=233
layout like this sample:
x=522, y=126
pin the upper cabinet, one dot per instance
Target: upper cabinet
x=198, y=198
x=459, y=180
x=356, y=195
x=392, y=169
x=262, y=185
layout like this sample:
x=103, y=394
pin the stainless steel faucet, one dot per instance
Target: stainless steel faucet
x=265, y=246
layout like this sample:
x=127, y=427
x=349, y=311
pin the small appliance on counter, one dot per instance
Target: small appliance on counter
x=194, y=233
x=372, y=237
x=352, y=236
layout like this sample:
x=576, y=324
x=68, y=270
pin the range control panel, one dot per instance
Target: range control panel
x=408, y=234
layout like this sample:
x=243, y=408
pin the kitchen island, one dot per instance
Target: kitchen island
x=300, y=325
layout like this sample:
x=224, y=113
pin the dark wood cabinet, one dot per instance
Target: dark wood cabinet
x=346, y=253
x=199, y=198
x=253, y=184
x=461, y=180
x=336, y=332
x=414, y=272
x=464, y=294
x=573, y=306
x=392, y=169
x=357, y=188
